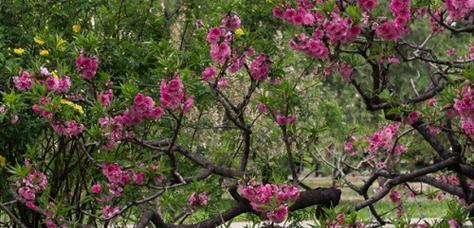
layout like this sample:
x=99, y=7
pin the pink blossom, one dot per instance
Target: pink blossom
x=52, y=83
x=381, y=165
x=87, y=66
x=105, y=97
x=262, y=108
x=434, y=129
x=277, y=12
x=280, y=119
x=367, y=5
x=278, y=215
x=313, y=47
x=50, y=223
x=23, y=81
x=388, y=30
x=44, y=72
x=196, y=199
x=231, y=22
x=138, y=177
x=96, y=188
x=202, y=199
x=383, y=138
x=413, y=117
x=198, y=23
x=209, y=73
x=349, y=147
x=67, y=128
x=395, y=196
x=440, y=196
x=458, y=9
x=214, y=35
x=453, y=223
x=222, y=83
x=393, y=59
x=220, y=52
x=109, y=212
x=64, y=84
x=173, y=96
x=31, y=205
x=27, y=193
x=192, y=199
x=432, y=102
x=14, y=118
x=38, y=107
x=236, y=63
x=341, y=30
x=450, y=52
x=346, y=71
x=260, y=67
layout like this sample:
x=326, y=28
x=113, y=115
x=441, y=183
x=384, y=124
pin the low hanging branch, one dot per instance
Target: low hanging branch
x=324, y=197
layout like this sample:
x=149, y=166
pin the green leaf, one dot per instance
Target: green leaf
x=354, y=13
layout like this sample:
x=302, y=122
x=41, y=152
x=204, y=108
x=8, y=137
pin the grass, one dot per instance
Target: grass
x=419, y=207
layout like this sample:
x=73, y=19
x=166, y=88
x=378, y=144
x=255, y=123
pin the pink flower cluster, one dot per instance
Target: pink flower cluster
x=143, y=108
x=459, y=9
x=464, y=107
x=173, y=96
x=367, y=5
x=87, y=66
x=34, y=182
x=449, y=179
x=340, y=30
x=59, y=85
x=349, y=145
x=67, y=128
x=395, y=196
x=383, y=139
x=413, y=117
x=394, y=29
x=270, y=199
x=260, y=67
x=109, y=211
x=117, y=178
x=230, y=22
x=115, y=129
x=38, y=107
x=284, y=120
x=219, y=38
x=312, y=46
x=197, y=199
x=301, y=15
x=434, y=21
x=23, y=81
x=209, y=73
x=105, y=97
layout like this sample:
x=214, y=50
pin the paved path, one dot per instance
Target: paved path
x=310, y=224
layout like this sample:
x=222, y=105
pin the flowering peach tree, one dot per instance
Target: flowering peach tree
x=227, y=129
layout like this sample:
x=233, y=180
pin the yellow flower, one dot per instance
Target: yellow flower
x=60, y=43
x=55, y=73
x=44, y=52
x=239, y=32
x=72, y=105
x=76, y=28
x=2, y=161
x=19, y=51
x=38, y=40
